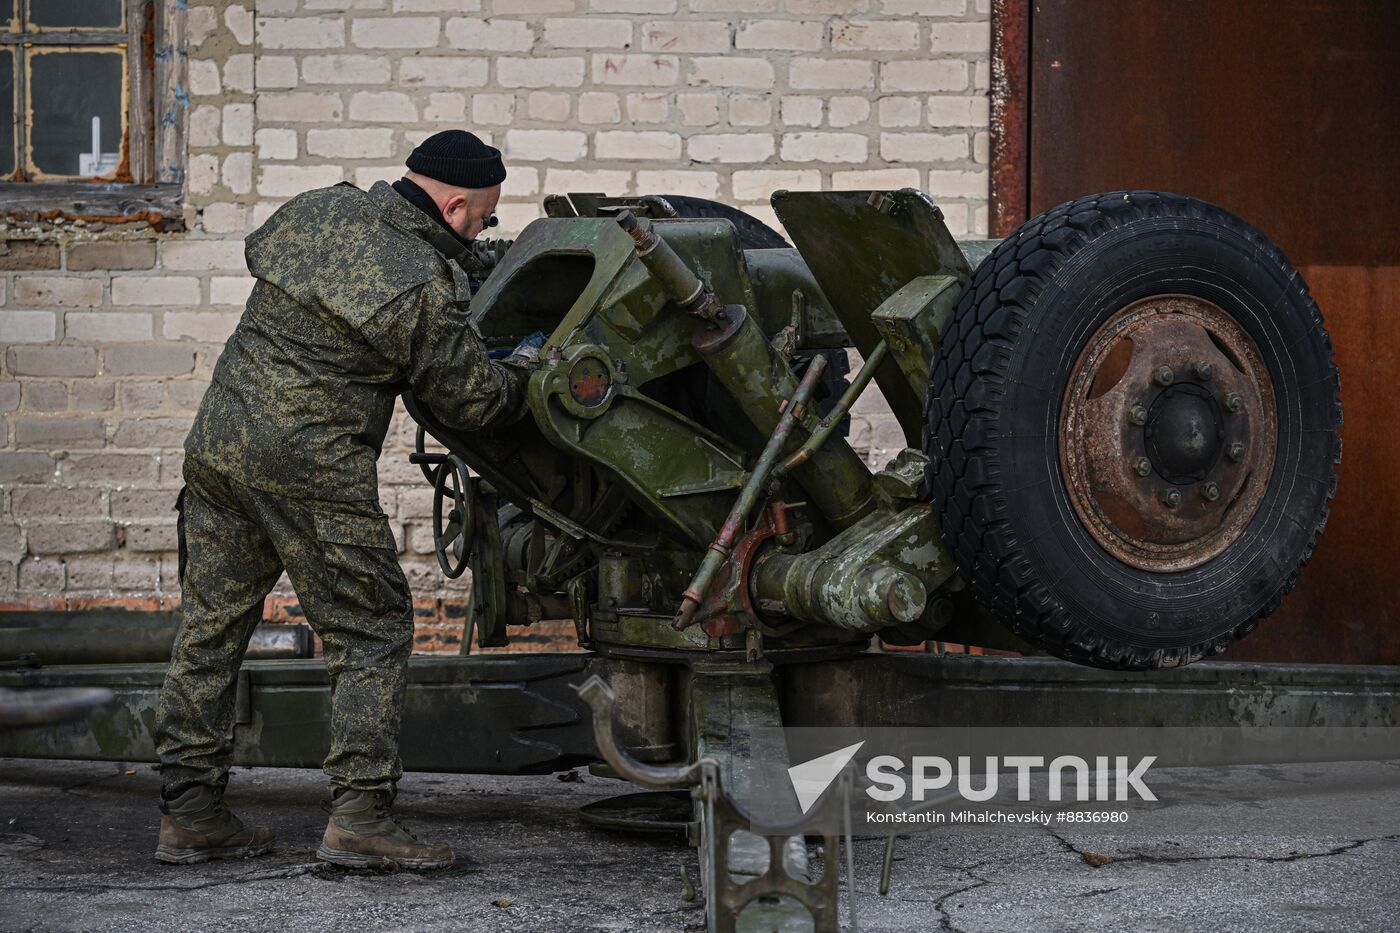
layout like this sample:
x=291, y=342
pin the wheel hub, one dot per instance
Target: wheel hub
x=1168, y=429
x=1184, y=434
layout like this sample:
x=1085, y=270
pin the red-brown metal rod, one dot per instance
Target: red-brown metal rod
x=748, y=496
x=833, y=419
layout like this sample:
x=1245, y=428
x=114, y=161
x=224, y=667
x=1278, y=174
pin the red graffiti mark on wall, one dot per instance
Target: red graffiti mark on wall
x=662, y=38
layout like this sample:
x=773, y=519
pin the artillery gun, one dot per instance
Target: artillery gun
x=1120, y=436
x=1120, y=431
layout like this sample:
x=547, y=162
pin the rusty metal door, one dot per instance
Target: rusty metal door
x=1287, y=112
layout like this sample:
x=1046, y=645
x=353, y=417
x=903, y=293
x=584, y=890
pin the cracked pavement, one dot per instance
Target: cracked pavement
x=1296, y=847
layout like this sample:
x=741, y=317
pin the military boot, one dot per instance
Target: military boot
x=363, y=833
x=198, y=827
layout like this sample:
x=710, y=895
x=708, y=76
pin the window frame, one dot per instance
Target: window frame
x=156, y=68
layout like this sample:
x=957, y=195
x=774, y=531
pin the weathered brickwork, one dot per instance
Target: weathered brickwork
x=108, y=333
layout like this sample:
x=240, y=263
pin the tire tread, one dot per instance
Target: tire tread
x=962, y=424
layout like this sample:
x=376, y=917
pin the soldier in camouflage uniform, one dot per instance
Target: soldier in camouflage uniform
x=356, y=300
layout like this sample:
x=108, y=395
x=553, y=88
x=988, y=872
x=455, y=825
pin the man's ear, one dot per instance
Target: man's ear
x=452, y=206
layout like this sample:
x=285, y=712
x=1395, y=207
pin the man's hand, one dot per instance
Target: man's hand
x=528, y=350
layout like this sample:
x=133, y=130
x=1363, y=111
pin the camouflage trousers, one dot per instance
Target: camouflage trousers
x=340, y=556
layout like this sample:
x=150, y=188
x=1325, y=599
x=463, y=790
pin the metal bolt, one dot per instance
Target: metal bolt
x=1138, y=415
x=1171, y=499
x=1235, y=451
x=1164, y=375
x=1210, y=491
x=1142, y=466
x=1203, y=370
x=1233, y=402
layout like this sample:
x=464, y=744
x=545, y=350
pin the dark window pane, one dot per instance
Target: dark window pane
x=91, y=14
x=68, y=91
x=7, y=113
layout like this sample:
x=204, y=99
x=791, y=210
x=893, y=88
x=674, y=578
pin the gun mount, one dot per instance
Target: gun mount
x=1120, y=434
x=681, y=483
x=682, y=452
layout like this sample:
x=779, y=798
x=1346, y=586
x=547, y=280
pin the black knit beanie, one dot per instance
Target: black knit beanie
x=456, y=157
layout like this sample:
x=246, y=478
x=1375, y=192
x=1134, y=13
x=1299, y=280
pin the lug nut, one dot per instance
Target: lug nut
x=1164, y=375
x=1210, y=492
x=1233, y=402
x=1235, y=451
x=1138, y=415
x=1171, y=499
x=1203, y=369
x=1142, y=466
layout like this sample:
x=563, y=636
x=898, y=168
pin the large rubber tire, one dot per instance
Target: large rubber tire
x=994, y=404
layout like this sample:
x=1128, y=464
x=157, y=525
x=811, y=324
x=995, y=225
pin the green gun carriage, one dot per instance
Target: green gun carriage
x=1120, y=430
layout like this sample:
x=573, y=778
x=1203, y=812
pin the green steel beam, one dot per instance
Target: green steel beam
x=485, y=715
x=519, y=714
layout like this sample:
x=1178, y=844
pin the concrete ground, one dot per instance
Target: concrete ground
x=1281, y=848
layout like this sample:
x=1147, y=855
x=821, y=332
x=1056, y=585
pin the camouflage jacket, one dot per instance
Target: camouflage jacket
x=353, y=304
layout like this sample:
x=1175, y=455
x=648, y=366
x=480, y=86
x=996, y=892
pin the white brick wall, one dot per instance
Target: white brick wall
x=108, y=335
